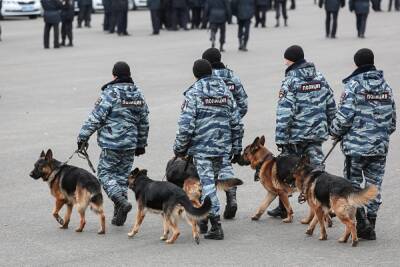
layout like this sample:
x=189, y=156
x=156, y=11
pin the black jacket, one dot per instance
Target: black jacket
x=52, y=11
x=119, y=5
x=106, y=5
x=196, y=3
x=154, y=4
x=359, y=6
x=67, y=10
x=179, y=3
x=332, y=5
x=218, y=11
x=243, y=9
x=262, y=2
x=85, y=3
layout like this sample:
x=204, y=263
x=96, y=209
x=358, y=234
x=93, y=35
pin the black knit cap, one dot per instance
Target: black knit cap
x=121, y=69
x=212, y=55
x=202, y=68
x=294, y=53
x=363, y=57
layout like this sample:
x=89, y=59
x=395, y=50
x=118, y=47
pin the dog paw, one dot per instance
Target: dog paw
x=287, y=220
x=197, y=240
x=305, y=221
x=354, y=243
x=65, y=226
x=169, y=242
x=323, y=237
x=163, y=237
x=78, y=230
x=342, y=240
x=309, y=232
x=255, y=217
x=131, y=234
x=101, y=232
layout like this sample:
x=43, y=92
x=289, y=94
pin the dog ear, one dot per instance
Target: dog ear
x=42, y=155
x=49, y=155
x=135, y=171
x=262, y=140
x=144, y=172
x=255, y=142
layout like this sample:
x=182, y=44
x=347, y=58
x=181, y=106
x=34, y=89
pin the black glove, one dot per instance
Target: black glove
x=139, y=151
x=82, y=145
x=236, y=158
x=180, y=154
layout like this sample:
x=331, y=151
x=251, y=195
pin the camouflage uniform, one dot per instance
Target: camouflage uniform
x=365, y=120
x=306, y=108
x=120, y=117
x=210, y=131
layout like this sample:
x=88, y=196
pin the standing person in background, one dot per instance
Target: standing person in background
x=361, y=9
x=281, y=5
x=179, y=14
x=244, y=11
x=123, y=20
x=218, y=13
x=332, y=10
x=0, y=16
x=196, y=7
x=376, y=5
x=155, y=12
x=67, y=17
x=107, y=14
x=293, y=4
x=52, y=19
x=396, y=5
x=204, y=21
x=261, y=13
x=85, y=11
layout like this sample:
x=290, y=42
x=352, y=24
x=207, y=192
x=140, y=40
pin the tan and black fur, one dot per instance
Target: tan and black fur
x=71, y=186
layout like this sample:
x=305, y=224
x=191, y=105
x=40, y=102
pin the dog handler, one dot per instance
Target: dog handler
x=306, y=108
x=120, y=117
x=365, y=120
x=211, y=132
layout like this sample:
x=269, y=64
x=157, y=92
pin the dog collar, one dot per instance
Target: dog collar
x=53, y=175
x=269, y=156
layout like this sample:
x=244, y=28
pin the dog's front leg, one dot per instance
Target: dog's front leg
x=311, y=226
x=321, y=219
x=264, y=205
x=59, y=204
x=285, y=200
x=67, y=217
x=165, y=229
x=139, y=219
x=310, y=216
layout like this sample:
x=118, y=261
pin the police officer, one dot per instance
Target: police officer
x=244, y=11
x=52, y=19
x=365, y=120
x=179, y=14
x=280, y=5
x=306, y=108
x=234, y=84
x=119, y=17
x=107, y=15
x=155, y=12
x=196, y=8
x=261, y=13
x=210, y=131
x=85, y=12
x=396, y=5
x=120, y=118
x=361, y=9
x=218, y=13
x=67, y=17
x=332, y=10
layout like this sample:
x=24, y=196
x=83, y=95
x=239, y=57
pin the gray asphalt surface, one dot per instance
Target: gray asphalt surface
x=46, y=95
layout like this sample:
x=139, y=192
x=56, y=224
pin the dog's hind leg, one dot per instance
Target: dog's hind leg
x=285, y=200
x=172, y=220
x=311, y=226
x=264, y=205
x=321, y=219
x=67, y=216
x=102, y=218
x=195, y=230
x=82, y=220
x=139, y=220
x=309, y=218
x=59, y=204
x=165, y=229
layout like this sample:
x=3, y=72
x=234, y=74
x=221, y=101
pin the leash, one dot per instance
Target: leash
x=330, y=151
x=82, y=153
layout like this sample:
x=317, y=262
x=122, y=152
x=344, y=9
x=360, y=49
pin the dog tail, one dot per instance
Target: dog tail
x=363, y=196
x=96, y=203
x=226, y=184
x=196, y=213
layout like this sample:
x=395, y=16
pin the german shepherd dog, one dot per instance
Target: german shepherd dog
x=70, y=186
x=169, y=200
x=325, y=192
x=183, y=173
x=258, y=156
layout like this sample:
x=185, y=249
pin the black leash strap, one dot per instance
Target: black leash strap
x=330, y=151
x=82, y=153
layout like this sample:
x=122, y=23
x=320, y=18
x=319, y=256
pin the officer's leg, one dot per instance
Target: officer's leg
x=125, y=22
x=263, y=16
x=214, y=28
x=315, y=154
x=46, y=35
x=56, y=28
x=226, y=172
x=278, y=12
x=328, y=24
x=80, y=16
x=69, y=33
x=88, y=15
x=63, y=32
x=246, y=33
x=240, y=33
x=284, y=12
x=222, y=31
x=364, y=25
x=106, y=21
x=153, y=14
x=358, y=23
x=334, y=23
x=113, y=21
x=257, y=16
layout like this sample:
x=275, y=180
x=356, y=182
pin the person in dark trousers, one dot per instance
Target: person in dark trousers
x=196, y=8
x=52, y=19
x=179, y=14
x=67, y=17
x=107, y=14
x=244, y=11
x=361, y=9
x=119, y=17
x=218, y=13
x=376, y=5
x=332, y=10
x=155, y=12
x=261, y=13
x=280, y=5
x=293, y=4
x=85, y=11
x=204, y=21
x=166, y=13
x=396, y=5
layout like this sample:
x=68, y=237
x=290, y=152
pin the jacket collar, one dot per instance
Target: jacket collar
x=360, y=70
x=296, y=65
x=218, y=65
x=118, y=80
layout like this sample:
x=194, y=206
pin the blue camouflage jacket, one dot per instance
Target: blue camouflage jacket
x=209, y=124
x=120, y=117
x=366, y=115
x=306, y=106
x=235, y=86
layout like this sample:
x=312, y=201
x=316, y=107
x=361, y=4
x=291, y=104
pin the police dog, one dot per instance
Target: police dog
x=325, y=192
x=169, y=200
x=70, y=186
x=258, y=156
x=183, y=173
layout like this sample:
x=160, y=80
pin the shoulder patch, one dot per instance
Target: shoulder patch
x=378, y=97
x=137, y=103
x=310, y=87
x=215, y=101
x=231, y=86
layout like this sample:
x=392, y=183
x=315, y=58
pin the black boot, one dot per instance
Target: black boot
x=244, y=48
x=372, y=221
x=221, y=48
x=203, y=225
x=240, y=45
x=279, y=211
x=364, y=227
x=114, y=219
x=124, y=207
x=277, y=23
x=231, y=204
x=286, y=23
x=215, y=232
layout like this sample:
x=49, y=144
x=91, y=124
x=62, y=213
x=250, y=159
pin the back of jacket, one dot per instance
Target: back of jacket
x=359, y=6
x=179, y=4
x=331, y=5
x=154, y=4
x=306, y=106
x=262, y=2
x=218, y=11
x=244, y=9
x=52, y=11
x=209, y=124
x=68, y=10
x=366, y=116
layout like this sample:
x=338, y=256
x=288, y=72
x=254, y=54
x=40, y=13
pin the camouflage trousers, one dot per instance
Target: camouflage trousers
x=113, y=170
x=209, y=170
x=312, y=150
x=363, y=171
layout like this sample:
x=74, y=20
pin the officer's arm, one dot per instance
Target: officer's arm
x=97, y=117
x=344, y=116
x=236, y=128
x=285, y=113
x=186, y=125
x=240, y=97
x=143, y=127
x=330, y=107
x=393, y=124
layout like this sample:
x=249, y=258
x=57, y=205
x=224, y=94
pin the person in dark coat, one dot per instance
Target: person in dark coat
x=85, y=11
x=155, y=12
x=396, y=5
x=52, y=19
x=179, y=14
x=280, y=5
x=361, y=9
x=332, y=10
x=261, y=11
x=107, y=14
x=244, y=11
x=196, y=8
x=67, y=17
x=119, y=17
x=218, y=13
